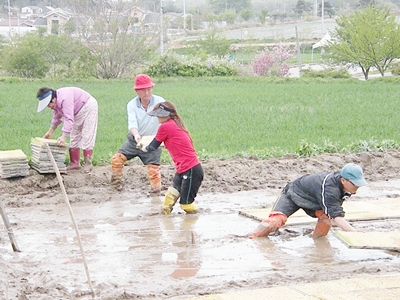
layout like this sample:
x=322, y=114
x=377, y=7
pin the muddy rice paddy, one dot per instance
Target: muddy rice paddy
x=132, y=251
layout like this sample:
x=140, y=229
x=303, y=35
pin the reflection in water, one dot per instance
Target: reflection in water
x=173, y=229
x=270, y=252
x=156, y=200
x=187, y=265
x=324, y=252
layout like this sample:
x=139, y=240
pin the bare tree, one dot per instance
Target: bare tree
x=115, y=35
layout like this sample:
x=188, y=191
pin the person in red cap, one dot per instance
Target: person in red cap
x=139, y=124
x=80, y=113
x=320, y=195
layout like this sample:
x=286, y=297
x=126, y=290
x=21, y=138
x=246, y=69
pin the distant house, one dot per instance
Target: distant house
x=81, y=25
x=12, y=26
x=138, y=14
x=143, y=20
x=29, y=12
x=174, y=21
x=151, y=22
x=55, y=19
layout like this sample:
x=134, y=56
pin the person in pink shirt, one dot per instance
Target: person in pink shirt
x=189, y=172
x=78, y=111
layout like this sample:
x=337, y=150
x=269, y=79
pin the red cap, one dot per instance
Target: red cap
x=143, y=81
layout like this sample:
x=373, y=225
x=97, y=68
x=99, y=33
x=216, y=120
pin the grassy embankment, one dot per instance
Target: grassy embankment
x=229, y=116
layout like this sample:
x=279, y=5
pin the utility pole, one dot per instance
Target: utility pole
x=322, y=16
x=184, y=15
x=161, y=29
x=315, y=8
x=298, y=50
x=9, y=18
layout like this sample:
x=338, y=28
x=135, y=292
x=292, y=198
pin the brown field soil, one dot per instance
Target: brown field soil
x=134, y=252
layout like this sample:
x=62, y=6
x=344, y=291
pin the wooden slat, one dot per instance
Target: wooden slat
x=370, y=240
x=386, y=208
x=12, y=155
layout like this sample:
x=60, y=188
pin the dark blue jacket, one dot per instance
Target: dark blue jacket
x=320, y=191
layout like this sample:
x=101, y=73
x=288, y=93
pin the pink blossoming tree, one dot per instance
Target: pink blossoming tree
x=271, y=62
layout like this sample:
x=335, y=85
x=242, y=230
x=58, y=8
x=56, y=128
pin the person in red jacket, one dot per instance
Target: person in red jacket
x=189, y=172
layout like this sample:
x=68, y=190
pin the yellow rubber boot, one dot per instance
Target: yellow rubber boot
x=154, y=175
x=171, y=196
x=189, y=208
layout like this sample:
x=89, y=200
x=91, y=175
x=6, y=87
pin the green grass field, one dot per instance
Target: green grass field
x=228, y=117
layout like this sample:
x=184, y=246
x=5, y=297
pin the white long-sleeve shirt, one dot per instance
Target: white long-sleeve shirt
x=138, y=117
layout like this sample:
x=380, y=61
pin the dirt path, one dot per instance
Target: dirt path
x=133, y=252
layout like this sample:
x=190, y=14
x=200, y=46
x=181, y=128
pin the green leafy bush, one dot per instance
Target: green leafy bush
x=309, y=149
x=174, y=65
x=329, y=73
x=372, y=145
x=395, y=68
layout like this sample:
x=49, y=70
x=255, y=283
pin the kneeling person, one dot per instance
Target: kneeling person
x=320, y=195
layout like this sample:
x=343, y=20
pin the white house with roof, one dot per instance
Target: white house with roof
x=13, y=26
x=55, y=19
x=27, y=12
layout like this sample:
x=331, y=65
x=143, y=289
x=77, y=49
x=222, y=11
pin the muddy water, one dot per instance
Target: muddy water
x=131, y=250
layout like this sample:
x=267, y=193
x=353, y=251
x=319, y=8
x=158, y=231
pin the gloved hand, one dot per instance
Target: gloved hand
x=137, y=138
x=141, y=147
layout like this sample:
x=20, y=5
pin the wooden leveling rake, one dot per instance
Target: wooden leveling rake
x=71, y=214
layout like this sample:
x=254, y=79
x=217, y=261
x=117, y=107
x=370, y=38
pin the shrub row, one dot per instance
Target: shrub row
x=174, y=65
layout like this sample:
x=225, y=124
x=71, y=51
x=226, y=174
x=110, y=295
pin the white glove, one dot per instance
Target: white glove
x=137, y=138
x=144, y=149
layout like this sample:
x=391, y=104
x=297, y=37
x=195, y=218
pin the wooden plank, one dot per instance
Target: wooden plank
x=8, y=155
x=146, y=140
x=381, y=209
x=41, y=161
x=370, y=240
x=13, y=163
x=300, y=217
x=50, y=142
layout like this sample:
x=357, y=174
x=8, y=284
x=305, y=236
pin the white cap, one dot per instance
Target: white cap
x=44, y=100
